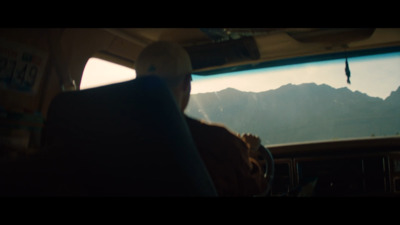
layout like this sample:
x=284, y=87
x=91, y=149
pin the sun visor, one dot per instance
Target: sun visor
x=221, y=53
x=334, y=36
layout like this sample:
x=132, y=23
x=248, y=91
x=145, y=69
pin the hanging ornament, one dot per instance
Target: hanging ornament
x=347, y=70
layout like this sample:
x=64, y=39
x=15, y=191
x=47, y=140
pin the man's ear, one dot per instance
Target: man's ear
x=186, y=82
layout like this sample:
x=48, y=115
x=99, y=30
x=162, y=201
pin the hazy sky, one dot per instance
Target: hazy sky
x=377, y=78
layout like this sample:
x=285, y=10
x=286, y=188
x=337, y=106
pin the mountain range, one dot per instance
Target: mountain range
x=300, y=113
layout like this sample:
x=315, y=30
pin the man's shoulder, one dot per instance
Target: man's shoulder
x=204, y=124
x=210, y=128
x=217, y=140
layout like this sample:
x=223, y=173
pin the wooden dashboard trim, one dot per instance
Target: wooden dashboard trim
x=342, y=147
x=387, y=148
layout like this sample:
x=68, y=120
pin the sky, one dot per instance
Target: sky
x=99, y=72
x=374, y=77
x=377, y=78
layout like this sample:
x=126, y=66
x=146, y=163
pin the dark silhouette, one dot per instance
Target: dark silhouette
x=235, y=163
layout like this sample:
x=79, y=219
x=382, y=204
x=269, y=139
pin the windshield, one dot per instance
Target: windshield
x=305, y=102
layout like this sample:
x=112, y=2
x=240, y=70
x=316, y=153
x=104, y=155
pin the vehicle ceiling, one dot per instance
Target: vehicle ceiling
x=212, y=50
x=230, y=49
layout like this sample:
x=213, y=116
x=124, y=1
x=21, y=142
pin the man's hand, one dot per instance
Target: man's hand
x=261, y=161
x=252, y=141
x=257, y=154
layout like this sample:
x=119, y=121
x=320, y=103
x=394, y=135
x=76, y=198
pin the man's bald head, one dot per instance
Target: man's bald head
x=167, y=60
x=170, y=62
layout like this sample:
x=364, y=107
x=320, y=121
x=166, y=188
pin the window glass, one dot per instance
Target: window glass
x=100, y=72
x=305, y=102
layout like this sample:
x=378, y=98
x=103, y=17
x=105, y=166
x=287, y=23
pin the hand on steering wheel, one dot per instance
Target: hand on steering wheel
x=252, y=141
x=263, y=156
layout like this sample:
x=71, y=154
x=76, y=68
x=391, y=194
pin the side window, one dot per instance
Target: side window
x=100, y=72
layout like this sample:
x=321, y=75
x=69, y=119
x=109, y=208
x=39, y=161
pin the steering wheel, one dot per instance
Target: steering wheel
x=269, y=169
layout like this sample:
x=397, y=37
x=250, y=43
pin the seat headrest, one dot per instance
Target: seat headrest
x=125, y=139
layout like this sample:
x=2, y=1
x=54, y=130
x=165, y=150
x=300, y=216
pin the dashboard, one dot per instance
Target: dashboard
x=357, y=167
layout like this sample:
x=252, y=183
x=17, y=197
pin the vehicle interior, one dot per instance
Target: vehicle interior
x=58, y=139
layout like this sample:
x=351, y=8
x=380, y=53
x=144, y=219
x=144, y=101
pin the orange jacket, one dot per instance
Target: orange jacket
x=234, y=170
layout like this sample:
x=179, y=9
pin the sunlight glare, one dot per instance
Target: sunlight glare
x=100, y=72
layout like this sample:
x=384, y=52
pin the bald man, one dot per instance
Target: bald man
x=233, y=161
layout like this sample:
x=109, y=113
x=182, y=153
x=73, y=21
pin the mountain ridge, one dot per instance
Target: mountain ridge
x=303, y=112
